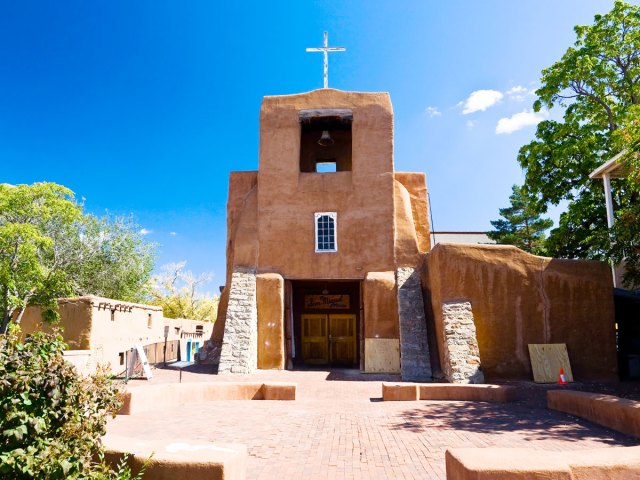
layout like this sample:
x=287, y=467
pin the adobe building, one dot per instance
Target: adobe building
x=317, y=238
x=100, y=331
x=329, y=263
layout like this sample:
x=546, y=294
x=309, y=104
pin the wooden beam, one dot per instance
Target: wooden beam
x=342, y=114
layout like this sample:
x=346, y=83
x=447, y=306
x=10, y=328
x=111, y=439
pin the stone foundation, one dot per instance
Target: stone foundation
x=415, y=364
x=239, y=352
x=461, y=352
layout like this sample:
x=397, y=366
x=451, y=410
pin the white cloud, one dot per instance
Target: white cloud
x=144, y=231
x=480, y=100
x=173, y=234
x=470, y=124
x=518, y=93
x=519, y=121
x=433, y=112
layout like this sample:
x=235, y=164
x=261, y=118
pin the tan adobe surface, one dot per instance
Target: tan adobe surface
x=518, y=299
x=613, y=412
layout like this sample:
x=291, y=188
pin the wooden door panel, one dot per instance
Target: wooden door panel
x=342, y=339
x=315, y=347
x=342, y=326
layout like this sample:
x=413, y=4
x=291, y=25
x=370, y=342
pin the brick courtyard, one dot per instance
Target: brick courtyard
x=339, y=428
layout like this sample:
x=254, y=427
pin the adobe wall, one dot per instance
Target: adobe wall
x=130, y=326
x=75, y=320
x=362, y=198
x=242, y=235
x=381, y=333
x=270, y=303
x=380, y=305
x=412, y=217
x=518, y=299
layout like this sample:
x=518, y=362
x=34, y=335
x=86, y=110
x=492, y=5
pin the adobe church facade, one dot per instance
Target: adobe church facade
x=319, y=240
x=329, y=264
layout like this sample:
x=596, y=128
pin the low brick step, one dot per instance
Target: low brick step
x=178, y=459
x=448, y=391
x=613, y=412
x=154, y=397
x=621, y=463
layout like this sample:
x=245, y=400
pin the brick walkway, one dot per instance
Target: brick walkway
x=339, y=428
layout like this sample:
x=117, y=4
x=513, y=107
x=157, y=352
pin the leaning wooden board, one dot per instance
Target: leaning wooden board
x=547, y=360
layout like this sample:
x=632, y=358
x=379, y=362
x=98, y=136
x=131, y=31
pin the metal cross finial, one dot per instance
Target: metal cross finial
x=325, y=50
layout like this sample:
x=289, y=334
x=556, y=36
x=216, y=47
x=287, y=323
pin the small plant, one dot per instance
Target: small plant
x=122, y=470
x=51, y=418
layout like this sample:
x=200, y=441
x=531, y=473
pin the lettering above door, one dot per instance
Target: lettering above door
x=326, y=302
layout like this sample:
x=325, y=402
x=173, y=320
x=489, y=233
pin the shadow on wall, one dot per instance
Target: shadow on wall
x=536, y=423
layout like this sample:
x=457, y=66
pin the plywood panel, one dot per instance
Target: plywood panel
x=382, y=355
x=547, y=360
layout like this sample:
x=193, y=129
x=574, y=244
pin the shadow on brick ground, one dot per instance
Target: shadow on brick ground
x=535, y=423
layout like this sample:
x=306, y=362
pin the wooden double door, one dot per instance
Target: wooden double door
x=329, y=339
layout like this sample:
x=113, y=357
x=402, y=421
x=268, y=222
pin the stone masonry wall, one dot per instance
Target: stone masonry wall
x=415, y=364
x=461, y=353
x=239, y=353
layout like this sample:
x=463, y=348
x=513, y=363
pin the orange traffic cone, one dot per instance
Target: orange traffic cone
x=561, y=379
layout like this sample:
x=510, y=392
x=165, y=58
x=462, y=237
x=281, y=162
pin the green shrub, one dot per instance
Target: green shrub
x=51, y=418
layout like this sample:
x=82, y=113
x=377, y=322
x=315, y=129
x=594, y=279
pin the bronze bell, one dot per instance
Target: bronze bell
x=325, y=139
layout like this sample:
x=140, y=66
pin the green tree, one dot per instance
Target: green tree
x=179, y=294
x=35, y=220
x=522, y=225
x=113, y=259
x=597, y=84
x=626, y=235
x=50, y=249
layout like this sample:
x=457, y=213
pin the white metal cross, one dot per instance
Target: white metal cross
x=325, y=50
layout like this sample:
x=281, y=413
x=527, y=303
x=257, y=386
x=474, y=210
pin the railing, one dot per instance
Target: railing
x=156, y=352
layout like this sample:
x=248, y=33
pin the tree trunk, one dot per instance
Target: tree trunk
x=19, y=318
x=5, y=321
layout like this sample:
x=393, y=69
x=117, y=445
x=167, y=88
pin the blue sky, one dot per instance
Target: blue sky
x=145, y=107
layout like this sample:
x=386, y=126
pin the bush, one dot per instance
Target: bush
x=51, y=418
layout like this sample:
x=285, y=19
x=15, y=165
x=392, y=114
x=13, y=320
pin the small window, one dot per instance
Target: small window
x=199, y=329
x=149, y=320
x=326, y=226
x=121, y=357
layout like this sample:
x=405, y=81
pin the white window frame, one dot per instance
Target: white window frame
x=334, y=217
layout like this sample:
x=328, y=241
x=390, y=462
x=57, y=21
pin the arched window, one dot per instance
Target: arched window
x=326, y=228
